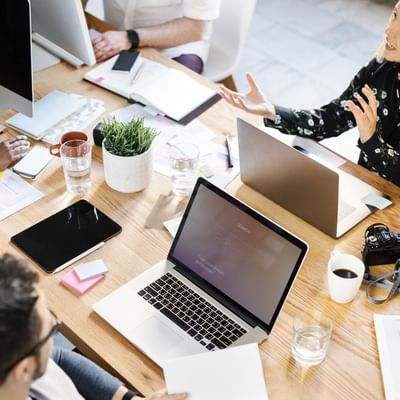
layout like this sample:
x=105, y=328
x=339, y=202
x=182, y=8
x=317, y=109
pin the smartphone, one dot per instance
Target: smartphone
x=33, y=163
x=125, y=61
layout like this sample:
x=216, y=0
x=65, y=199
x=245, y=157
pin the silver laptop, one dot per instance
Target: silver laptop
x=227, y=276
x=330, y=199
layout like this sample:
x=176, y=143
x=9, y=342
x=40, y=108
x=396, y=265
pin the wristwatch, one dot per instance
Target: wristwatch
x=133, y=38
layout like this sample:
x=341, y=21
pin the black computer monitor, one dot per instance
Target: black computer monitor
x=16, y=79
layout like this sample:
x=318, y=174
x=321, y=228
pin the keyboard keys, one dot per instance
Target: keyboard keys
x=192, y=313
x=183, y=325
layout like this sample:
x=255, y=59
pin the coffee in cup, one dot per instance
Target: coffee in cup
x=345, y=274
x=73, y=135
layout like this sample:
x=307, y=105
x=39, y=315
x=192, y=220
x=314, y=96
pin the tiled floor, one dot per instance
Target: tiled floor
x=304, y=53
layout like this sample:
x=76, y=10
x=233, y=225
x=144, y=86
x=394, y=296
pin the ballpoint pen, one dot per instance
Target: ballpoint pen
x=229, y=151
x=136, y=74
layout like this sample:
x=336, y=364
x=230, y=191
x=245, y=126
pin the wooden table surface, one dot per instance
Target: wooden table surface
x=351, y=369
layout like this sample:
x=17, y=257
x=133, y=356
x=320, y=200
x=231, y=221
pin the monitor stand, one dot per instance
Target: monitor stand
x=41, y=58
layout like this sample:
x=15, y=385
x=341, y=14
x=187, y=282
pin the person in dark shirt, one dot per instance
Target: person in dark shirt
x=371, y=102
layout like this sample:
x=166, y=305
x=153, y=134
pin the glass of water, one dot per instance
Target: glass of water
x=76, y=156
x=311, y=334
x=184, y=161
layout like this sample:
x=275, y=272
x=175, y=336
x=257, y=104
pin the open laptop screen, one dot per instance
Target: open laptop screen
x=248, y=258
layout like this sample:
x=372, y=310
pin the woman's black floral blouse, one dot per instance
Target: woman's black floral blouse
x=381, y=153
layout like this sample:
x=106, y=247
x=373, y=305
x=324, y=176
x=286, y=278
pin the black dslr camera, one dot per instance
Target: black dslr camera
x=381, y=245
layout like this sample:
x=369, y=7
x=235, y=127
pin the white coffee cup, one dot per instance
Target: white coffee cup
x=345, y=274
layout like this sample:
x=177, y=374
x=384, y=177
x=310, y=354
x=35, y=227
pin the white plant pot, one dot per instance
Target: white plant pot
x=128, y=174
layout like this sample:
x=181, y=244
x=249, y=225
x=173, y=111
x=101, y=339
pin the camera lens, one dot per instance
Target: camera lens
x=372, y=239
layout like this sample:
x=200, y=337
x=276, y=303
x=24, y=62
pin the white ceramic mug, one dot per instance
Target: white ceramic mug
x=345, y=274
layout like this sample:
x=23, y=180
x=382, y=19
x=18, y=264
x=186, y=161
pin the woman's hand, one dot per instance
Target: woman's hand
x=366, y=115
x=12, y=150
x=109, y=44
x=253, y=101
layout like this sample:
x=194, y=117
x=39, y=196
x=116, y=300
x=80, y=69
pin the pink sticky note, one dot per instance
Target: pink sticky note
x=99, y=79
x=71, y=281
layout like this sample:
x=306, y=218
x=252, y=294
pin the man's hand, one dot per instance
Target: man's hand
x=110, y=43
x=366, y=115
x=253, y=101
x=162, y=395
x=12, y=150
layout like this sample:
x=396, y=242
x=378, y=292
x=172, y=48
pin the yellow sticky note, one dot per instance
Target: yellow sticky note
x=1, y=176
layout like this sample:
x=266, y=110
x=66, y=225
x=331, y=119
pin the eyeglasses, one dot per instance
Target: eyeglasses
x=54, y=329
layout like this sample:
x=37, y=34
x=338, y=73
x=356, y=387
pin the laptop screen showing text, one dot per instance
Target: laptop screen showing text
x=240, y=256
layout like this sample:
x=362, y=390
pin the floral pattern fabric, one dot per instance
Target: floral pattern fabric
x=381, y=153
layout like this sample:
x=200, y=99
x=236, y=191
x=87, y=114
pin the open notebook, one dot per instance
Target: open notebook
x=169, y=90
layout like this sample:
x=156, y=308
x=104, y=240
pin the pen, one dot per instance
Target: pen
x=228, y=149
x=136, y=74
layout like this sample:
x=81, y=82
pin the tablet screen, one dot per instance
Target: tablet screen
x=65, y=235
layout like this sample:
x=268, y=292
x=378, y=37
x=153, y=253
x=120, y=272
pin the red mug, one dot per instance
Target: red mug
x=73, y=135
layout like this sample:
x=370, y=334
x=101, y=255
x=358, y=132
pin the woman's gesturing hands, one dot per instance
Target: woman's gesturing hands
x=366, y=115
x=253, y=101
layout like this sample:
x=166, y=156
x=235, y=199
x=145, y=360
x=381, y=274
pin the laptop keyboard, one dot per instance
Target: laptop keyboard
x=192, y=313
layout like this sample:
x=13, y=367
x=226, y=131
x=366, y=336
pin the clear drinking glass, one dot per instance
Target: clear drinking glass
x=311, y=335
x=76, y=156
x=184, y=161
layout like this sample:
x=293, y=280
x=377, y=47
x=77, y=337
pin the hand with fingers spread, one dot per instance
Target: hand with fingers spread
x=110, y=43
x=366, y=115
x=12, y=150
x=253, y=101
x=162, y=395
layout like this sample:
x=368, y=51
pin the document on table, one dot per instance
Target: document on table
x=230, y=374
x=15, y=194
x=387, y=329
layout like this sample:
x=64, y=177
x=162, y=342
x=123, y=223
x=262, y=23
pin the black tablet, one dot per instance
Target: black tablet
x=64, y=237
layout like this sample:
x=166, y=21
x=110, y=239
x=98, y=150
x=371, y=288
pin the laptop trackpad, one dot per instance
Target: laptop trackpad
x=155, y=335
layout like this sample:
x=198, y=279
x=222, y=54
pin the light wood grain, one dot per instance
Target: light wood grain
x=351, y=370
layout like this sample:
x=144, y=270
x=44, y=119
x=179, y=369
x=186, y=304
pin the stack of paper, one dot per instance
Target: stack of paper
x=231, y=374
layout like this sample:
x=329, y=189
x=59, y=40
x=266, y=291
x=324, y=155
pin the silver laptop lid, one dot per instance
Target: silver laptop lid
x=288, y=177
x=244, y=260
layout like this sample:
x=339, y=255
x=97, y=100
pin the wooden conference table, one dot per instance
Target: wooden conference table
x=351, y=370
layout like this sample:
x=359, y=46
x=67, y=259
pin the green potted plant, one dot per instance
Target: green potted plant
x=127, y=154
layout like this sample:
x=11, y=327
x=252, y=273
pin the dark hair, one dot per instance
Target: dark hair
x=20, y=324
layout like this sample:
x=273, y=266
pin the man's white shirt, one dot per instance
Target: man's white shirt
x=133, y=14
x=55, y=384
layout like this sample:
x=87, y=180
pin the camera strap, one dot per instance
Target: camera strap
x=383, y=282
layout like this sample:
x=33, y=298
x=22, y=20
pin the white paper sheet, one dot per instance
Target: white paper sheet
x=15, y=194
x=230, y=374
x=387, y=329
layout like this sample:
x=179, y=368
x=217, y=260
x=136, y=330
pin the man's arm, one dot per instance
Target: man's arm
x=170, y=34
